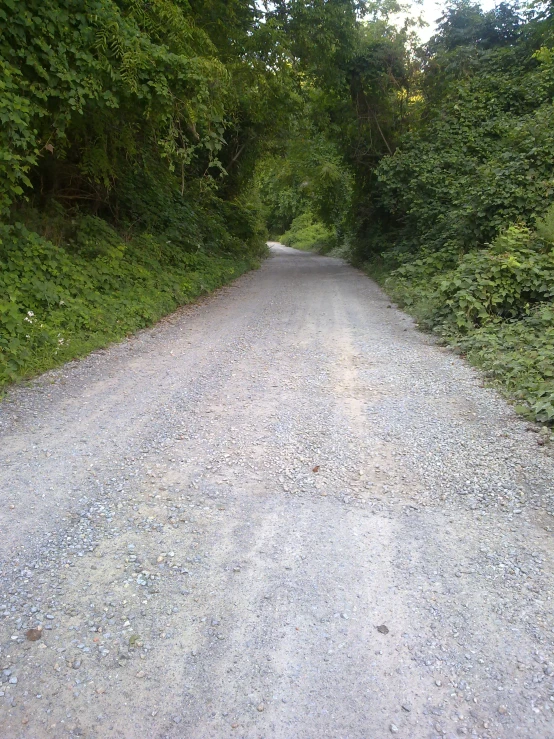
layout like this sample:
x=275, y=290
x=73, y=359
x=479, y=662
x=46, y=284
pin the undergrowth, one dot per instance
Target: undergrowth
x=61, y=301
x=308, y=234
x=495, y=305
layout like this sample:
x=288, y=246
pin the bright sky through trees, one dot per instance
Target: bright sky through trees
x=431, y=11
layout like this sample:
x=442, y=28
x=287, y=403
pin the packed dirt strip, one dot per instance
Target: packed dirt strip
x=282, y=512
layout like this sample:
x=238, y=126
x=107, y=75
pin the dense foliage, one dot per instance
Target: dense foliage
x=144, y=145
x=309, y=234
x=448, y=155
x=130, y=133
x=468, y=225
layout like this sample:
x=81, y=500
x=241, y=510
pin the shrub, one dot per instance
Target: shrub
x=309, y=235
x=494, y=304
x=505, y=280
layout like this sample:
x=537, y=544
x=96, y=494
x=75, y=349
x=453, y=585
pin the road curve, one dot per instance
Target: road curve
x=280, y=513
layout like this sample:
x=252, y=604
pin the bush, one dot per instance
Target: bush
x=495, y=304
x=505, y=280
x=519, y=354
x=309, y=235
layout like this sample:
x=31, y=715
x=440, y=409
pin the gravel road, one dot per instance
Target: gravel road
x=282, y=512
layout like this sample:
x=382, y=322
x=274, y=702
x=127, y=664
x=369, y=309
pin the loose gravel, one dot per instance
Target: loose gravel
x=282, y=512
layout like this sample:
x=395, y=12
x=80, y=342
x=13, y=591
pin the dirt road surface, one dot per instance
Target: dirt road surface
x=282, y=512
